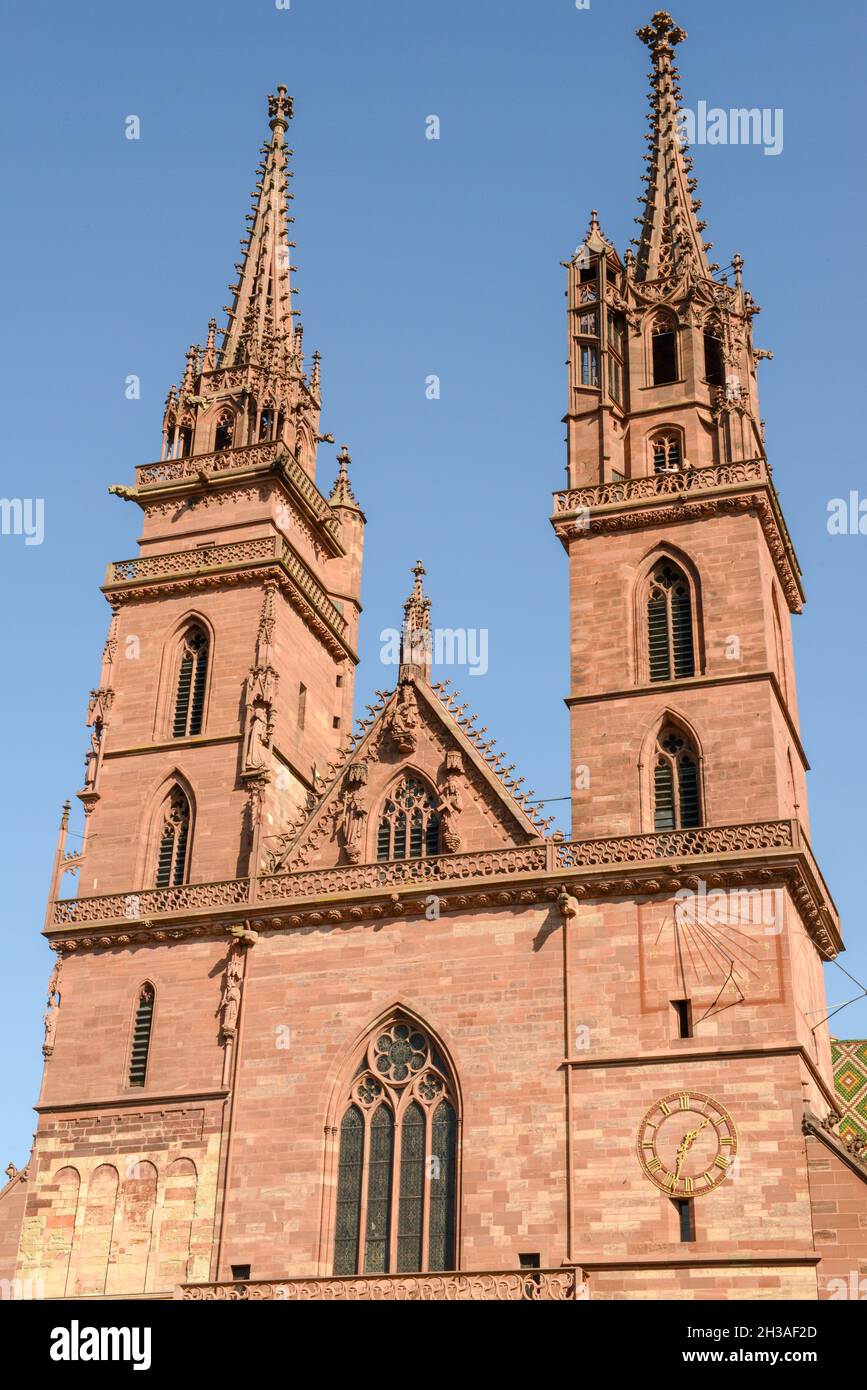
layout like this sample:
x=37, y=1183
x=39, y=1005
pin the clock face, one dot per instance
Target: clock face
x=687, y=1144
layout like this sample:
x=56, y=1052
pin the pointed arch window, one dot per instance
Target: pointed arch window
x=141, y=1036
x=266, y=424
x=397, y=1172
x=224, y=434
x=410, y=823
x=667, y=451
x=174, y=840
x=713, y=352
x=663, y=342
x=670, y=640
x=676, y=795
x=192, y=683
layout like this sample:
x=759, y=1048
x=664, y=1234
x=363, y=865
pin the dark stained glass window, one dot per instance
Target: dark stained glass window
x=379, y=1181
x=396, y=1207
x=441, y=1243
x=349, y=1192
x=412, y=1178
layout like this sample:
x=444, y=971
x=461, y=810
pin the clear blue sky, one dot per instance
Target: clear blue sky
x=416, y=257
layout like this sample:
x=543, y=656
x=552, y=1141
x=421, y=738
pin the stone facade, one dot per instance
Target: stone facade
x=334, y=1016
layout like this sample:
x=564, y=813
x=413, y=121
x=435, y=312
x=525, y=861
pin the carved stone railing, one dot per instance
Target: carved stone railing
x=262, y=457
x=615, y=851
x=674, y=844
x=178, y=470
x=405, y=873
x=488, y=1286
x=749, y=471
x=258, y=550
x=150, y=902
x=203, y=557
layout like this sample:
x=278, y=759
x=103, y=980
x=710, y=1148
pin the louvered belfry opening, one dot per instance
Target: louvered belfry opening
x=671, y=649
x=676, y=800
x=397, y=1170
x=192, y=681
x=141, y=1036
x=664, y=350
x=666, y=453
x=409, y=826
x=174, y=841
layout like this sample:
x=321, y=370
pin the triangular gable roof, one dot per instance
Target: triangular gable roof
x=411, y=728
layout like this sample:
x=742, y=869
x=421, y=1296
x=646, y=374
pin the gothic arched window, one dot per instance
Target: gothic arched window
x=225, y=431
x=409, y=825
x=676, y=797
x=670, y=644
x=192, y=683
x=663, y=343
x=266, y=424
x=174, y=840
x=141, y=1035
x=397, y=1177
x=713, y=353
x=667, y=452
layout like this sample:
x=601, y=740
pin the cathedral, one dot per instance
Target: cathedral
x=333, y=1014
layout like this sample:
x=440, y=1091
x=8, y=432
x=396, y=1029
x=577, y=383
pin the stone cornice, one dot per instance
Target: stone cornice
x=698, y=682
x=142, y=1100
x=254, y=559
x=621, y=866
x=198, y=741
x=669, y=498
x=708, y=1260
x=698, y=1051
x=196, y=472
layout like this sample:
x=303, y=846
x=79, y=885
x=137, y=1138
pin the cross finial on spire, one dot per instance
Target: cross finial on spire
x=281, y=108
x=661, y=34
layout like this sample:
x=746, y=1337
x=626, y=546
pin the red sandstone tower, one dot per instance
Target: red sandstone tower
x=332, y=1016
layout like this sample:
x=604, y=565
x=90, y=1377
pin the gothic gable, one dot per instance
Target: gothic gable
x=416, y=770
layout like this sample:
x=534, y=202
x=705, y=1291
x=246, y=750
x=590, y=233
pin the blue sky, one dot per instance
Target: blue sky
x=416, y=257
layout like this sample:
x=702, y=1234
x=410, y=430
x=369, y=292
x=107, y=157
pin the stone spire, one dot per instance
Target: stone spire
x=416, y=639
x=341, y=494
x=671, y=237
x=261, y=322
x=248, y=385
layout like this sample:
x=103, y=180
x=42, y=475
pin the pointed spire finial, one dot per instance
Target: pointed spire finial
x=341, y=493
x=261, y=315
x=671, y=238
x=415, y=641
x=281, y=108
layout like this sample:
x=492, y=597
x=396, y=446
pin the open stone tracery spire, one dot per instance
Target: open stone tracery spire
x=254, y=387
x=261, y=317
x=671, y=236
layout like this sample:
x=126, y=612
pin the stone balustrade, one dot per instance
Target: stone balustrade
x=487, y=1286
